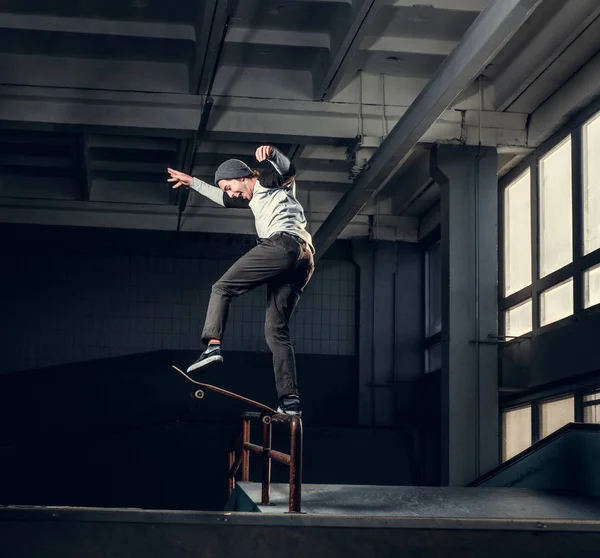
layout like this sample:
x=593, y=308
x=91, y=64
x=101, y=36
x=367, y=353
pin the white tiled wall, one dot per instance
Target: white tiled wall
x=66, y=307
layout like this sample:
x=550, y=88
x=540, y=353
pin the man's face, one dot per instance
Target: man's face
x=236, y=188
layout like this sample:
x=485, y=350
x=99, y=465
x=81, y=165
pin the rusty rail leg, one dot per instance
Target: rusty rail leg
x=235, y=443
x=245, y=452
x=266, y=478
x=296, y=465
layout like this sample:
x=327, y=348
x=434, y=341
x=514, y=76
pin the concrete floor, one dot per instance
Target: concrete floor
x=433, y=502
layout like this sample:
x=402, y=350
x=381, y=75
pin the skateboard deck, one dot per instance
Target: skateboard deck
x=199, y=394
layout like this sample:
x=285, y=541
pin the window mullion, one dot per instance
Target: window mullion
x=535, y=244
x=577, y=204
x=535, y=422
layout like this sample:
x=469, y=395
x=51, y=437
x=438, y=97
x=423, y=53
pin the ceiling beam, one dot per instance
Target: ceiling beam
x=161, y=216
x=89, y=26
x=236, y=119
x=346, y=37
x=455, y=5
x=128, y=142
x=145, y=114
x=210, y=29
x=543, y=49
x=323, y=152
x=408, y=45
x=488, y=34
x=277, y=37
x=577, y=93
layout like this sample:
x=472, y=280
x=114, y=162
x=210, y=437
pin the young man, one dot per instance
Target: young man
x=282, y=258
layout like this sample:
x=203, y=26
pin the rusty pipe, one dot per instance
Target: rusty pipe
x=276, y=455
x=245, y=451
x=296, y=465
x=266, y=476
x=231, y=485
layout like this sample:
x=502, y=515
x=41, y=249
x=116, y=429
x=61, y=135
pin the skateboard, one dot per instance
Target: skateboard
x=200, y=393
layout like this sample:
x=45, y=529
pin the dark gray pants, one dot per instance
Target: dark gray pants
x=286, y=266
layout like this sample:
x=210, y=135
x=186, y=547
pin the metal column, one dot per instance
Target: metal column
x=469, y=390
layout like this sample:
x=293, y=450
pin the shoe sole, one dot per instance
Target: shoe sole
x=289, y=413
x=207, y=360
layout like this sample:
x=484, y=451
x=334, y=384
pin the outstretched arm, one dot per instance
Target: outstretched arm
x=211, y=192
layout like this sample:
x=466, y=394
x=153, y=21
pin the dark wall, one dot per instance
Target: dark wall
x=125, y=432
x=72, y=295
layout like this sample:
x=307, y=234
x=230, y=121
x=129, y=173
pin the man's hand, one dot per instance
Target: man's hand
x=263, y=152
x=180, y=178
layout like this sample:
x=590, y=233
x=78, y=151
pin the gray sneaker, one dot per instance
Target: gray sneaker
x=211, y=356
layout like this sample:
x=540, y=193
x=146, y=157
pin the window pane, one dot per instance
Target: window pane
x=592, y=286
x=433, y=291
x=591, y=185
x=556, y=240
x=518, y=320
x=516, y=431
x=555, y=414
x=517, y=235
x=591, y=414
x=556, y=303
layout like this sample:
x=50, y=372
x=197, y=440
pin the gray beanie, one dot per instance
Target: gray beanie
x=231, y=169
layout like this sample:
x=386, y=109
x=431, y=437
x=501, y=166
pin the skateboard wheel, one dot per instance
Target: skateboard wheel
x=199, y=394
x=266, y=419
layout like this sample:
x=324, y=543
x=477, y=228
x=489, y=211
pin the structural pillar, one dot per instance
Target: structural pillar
x=389, y=330
x=377, y=263
x=468, y=180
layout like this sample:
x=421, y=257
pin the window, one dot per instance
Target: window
x=517, y=234
x=591, y=408
x=556, y=303
x=516, y=431
x=518, y=320
x=529, y=421
x=592, y=286
x=591, y=185
x=551, y=237
x=555, y=414
x=556, y=219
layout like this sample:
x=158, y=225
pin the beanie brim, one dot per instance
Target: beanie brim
x=232, y=169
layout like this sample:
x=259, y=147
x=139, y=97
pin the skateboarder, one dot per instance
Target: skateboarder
x=282, y=258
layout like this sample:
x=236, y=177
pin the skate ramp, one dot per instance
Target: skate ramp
x=567, y=461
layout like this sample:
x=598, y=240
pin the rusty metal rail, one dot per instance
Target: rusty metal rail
x=239, y=455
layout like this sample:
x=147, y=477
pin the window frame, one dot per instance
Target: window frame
x=535, y=404
x=581, y=263
x=579, y=389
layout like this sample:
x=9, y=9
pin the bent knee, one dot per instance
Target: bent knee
x=276, y=335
